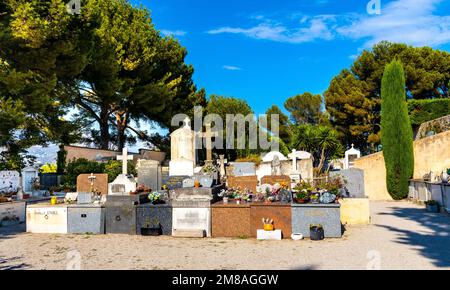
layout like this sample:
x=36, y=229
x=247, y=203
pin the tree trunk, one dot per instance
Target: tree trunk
x=104, y=128
x=121, y=123
x=322, y=160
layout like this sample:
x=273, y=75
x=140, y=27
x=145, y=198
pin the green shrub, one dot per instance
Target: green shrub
x=113, y=168
x=396, y=131
x=421, y=111
x=81, y=166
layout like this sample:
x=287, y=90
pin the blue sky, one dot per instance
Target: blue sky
x=265, y=51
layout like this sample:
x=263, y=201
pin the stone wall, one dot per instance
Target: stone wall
x=430, y=154
x=77, y=152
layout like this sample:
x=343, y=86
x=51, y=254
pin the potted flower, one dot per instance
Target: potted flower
x=432, y=206
x=302, y=197
x=315, y=198
x=152, y=228
x=155, y=198
x=316, y=232
x=268, y=224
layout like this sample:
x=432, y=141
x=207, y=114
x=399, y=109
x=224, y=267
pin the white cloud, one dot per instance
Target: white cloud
x=408, y=21
x=173, y=32
x=314, y=28
x=231, y=67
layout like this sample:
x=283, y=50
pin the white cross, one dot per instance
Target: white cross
x=125, y=157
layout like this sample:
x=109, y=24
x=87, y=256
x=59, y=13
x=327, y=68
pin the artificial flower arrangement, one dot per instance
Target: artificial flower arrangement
x=155, y=198
x=237, y=194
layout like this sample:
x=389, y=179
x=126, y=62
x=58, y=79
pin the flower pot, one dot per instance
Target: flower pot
x=316, y=233
x=268, y=227
x=433, y=208
x=301, y=200
x=151, y=231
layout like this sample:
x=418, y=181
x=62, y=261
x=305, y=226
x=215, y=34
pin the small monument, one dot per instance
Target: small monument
x=149, y=174
x=124, y=184
x=183, y=155
x=208, y=135
x=350, y=156
x=295, y=172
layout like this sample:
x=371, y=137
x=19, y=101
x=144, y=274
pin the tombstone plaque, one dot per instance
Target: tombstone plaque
x=149, y=174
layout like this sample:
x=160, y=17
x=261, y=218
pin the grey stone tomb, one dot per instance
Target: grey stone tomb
x=149, y=174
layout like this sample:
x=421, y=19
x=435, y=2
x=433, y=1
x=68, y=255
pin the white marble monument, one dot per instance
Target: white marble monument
x=183, y=155
x=124, y=183
x=350, y=156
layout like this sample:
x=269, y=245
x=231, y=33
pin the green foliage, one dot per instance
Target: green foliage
x=284, y=123
x=421, y=111
x=61, y=160
x=353, y=98
x=81, y=166
x=113, y=168
x=305, y=108
x=396, y=131
x=321, y=141
x=228, y=105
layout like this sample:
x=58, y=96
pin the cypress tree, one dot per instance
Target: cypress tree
x=396, y=131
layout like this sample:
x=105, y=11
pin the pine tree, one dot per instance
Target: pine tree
x=396, y=131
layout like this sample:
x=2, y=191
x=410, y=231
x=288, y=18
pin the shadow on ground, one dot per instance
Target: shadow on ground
x=11, y=231
x=432, y=244
x=12, y=264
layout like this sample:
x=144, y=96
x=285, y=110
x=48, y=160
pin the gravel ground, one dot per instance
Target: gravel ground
x=401, y=236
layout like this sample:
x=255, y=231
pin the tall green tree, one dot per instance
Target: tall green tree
x=353, y=98
x=396, y=131
x=38, y=50
x=135, y=74
x=305, y=108
x=223, y=106
x=284, y=123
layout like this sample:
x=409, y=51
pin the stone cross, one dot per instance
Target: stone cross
x=125, y=157
x=208, y=136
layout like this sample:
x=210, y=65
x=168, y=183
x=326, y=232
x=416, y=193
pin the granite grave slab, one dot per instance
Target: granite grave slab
x=327, y=215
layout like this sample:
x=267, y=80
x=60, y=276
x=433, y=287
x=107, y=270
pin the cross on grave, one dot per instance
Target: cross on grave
x=92, y=179
x=125, y=157
x=208, y=136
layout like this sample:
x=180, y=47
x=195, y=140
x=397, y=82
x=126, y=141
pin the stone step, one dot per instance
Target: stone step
x=188, y=233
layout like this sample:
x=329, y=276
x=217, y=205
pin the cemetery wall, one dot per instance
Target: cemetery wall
x=430, y=154
x=77, y=152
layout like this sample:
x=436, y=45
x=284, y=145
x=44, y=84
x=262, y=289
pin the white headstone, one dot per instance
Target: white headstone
x=271, y=155
x=183, y=154
x=350, y=156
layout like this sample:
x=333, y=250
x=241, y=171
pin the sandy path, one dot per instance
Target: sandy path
x=402, y=236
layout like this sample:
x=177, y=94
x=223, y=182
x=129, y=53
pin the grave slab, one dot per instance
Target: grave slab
x=100, y=183
x=279, y=212
x=191, y=219
x=11, y=212
x=230, y=220
x=148, y=214
x=327, y=215
x=47, y=219
x=84, y=219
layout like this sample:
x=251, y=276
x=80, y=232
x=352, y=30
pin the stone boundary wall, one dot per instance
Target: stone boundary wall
x=430, y=154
